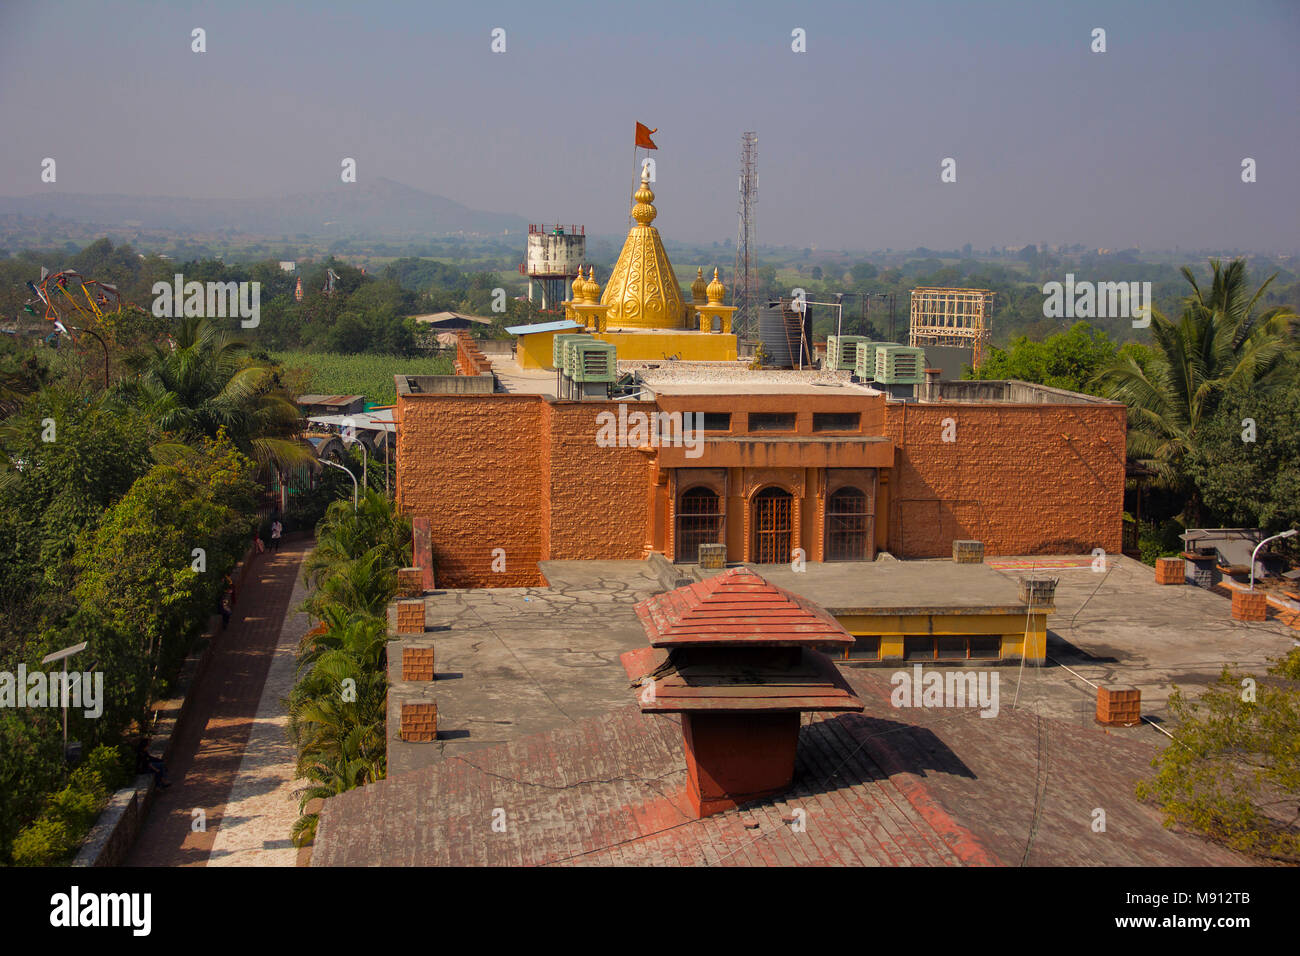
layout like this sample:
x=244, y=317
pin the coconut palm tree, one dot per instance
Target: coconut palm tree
x=1219, y=342
x=207, y=381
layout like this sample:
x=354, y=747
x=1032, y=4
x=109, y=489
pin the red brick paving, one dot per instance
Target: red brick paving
x=207, y=755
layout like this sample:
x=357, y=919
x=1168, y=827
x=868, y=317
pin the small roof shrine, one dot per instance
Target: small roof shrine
x=737, y=658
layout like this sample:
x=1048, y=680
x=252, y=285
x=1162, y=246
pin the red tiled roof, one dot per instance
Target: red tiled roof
x=737, y=607
x=611, y=791
x=936, y=788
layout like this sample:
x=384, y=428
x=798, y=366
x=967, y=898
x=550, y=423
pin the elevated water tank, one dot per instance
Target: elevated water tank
x=779, y=328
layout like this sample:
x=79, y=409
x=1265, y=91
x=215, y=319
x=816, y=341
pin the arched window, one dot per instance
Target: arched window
x=848, y=526
x=699, y=521
x=771, y=525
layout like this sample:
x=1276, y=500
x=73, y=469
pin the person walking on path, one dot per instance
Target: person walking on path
x=276, y=529
x=224, y=602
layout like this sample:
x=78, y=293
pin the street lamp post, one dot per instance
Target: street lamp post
x=332, y=464
x=1284, y=534
x=63, y=655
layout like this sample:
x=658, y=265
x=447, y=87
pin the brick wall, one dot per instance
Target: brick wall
x=472, y=466
x=470, y=359
x=1024, y=479
x=600, y=497
x=525, y=475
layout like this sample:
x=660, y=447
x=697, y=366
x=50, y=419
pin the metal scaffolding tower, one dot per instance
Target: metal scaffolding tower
x=743, y=293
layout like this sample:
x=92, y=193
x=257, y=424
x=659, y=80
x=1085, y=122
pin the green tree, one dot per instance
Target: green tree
x=1069, y=360
x=1246, y=464
x=357, y=554
x=1233, y=772
x=1219, y=342
x=207, y=381
x=139, y=567
x=64, y=461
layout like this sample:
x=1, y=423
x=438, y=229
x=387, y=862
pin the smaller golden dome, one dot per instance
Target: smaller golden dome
x=716, y=290
x=698, y=287
x=591, y=287
x=577, y=287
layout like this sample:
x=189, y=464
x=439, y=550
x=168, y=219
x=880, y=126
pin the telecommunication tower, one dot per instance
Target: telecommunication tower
x=743, y=278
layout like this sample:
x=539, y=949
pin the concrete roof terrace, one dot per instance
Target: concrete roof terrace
x=737, y=378
x=900, y=587
x=532, y=701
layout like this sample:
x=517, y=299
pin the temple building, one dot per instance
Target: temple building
x=665, y=443
x=641, y=310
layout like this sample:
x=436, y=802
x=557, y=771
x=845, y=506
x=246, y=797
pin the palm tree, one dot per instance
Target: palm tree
x=1218, y=343
x=338, y=710
x=357, y=554
x=345, y=535
x=329, y=777
x=207, y=381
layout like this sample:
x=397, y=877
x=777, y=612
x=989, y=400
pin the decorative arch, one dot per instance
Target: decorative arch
x=773, y=521
x=701, y=519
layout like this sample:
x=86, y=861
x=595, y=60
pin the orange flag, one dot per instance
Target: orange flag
x=643, y=136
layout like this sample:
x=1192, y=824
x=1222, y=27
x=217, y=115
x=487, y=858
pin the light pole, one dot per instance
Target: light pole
x=63, y=655
x=326, y=461
x=1284, y=534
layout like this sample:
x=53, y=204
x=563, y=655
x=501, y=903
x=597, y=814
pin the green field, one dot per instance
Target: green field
x=329, y=373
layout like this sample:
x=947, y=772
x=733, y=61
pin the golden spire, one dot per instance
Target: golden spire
x=716, y=289
x=698, y=287
x=644, y=211
x=642, y=290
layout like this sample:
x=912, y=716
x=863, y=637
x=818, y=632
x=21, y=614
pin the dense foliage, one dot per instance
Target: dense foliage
x=1222, y=342
x=1069, y=360
x=337, y=710
x=1234, y=772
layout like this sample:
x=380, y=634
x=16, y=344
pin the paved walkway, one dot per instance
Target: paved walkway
x=233, y=761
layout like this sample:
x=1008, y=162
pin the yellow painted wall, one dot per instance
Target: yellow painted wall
x=892, y=628
x=650, y=346
x=537, y=349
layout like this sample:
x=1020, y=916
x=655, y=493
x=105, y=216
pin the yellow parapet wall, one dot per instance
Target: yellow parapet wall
x=536, y=350
x=656, y=346
x=1010, y=629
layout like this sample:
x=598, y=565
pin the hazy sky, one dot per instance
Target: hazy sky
x=1140, y=145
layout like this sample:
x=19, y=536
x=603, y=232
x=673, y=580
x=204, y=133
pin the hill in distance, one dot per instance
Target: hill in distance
x=376, y=208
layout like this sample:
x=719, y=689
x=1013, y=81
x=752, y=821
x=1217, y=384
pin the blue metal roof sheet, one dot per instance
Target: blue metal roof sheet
x=559, y=326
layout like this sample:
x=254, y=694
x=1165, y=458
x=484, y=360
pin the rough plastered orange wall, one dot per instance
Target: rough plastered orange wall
x=599, y=497
x=473, y=466
x=1024, y=479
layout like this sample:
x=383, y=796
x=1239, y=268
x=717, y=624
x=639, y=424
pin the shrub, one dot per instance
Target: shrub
x=47, y=842
x=55, y=835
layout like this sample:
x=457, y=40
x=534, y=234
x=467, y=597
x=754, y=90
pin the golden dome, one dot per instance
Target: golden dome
x=578, y=283
x=591, y=288
x=716, y=290
x=698, y=287
x=642, y=290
